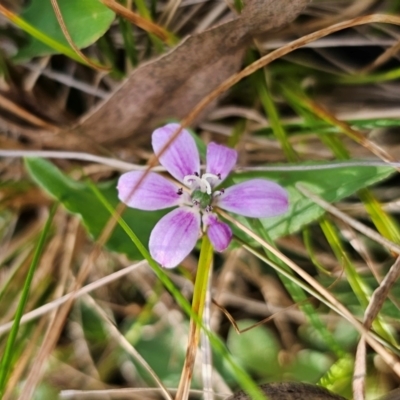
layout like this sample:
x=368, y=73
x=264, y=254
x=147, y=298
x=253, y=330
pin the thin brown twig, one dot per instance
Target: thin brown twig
x=25, y=115
x=377, y=299
x=284, y=50
x=265, y=60
x=382, y=59
x=365, y=230
x=136, y=19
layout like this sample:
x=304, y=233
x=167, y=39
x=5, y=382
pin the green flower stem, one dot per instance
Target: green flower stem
x=198, y=303
x=203, y=271
x=242, y=377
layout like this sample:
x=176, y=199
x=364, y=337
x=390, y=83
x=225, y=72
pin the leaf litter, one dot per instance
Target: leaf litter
x=172, y=97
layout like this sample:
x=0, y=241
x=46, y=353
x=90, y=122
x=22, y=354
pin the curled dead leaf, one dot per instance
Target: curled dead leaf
x=170, y=86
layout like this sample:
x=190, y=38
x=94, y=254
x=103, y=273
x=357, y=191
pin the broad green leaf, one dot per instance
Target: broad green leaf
x=331, y=185
x=86, y=21
x=78, y=198
x=308, y=366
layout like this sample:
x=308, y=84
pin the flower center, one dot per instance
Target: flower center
x=202, y=194
x=203, y=184
x=202, y=199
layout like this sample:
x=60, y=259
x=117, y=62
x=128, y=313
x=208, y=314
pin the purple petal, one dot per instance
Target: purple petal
x=220, y=160
x=181, y=158
x=174, y=236
x=153, y=193
x=219, y=233
x=256, y=198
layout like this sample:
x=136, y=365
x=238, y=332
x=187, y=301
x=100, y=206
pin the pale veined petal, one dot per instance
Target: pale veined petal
x=219, y=233
x=220, y=160
x=256, y=198
x=154, y=192
x=181, y=158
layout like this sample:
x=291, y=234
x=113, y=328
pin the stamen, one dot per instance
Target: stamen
x=180, y=191
x=194, y=182
x=209, y=208
x=211, y=176
x=189, y=180
x=218, y=192
x=206, y=186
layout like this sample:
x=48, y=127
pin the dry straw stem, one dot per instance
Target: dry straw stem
x=274, y=55
x=127, y=166
x=388, y=357
x=383, y=58
x=57, y=326
x=353, y=134
x=125, y=345
x=36, y=313
x=377, y=299
x=127, y=394
x=379, y=295
x=365, y=230
x=136, y=19
x=284, y=50
x=68, y=37
x=20, y=112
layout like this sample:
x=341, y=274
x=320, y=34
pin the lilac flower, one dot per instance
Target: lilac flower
x=176, y=234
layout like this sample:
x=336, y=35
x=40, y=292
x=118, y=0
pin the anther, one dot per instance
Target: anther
x=209, y=208
x=180, y=191
x=196, y=173
x=219, y=192
x=219, y=176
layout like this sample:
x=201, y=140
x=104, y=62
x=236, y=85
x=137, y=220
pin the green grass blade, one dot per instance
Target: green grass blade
x=258, y=80
x=300, y=297
x=37, y=34
x=360, y=288
x=9, y=350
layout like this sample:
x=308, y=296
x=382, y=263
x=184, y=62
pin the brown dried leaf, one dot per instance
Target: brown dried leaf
x=170, y=86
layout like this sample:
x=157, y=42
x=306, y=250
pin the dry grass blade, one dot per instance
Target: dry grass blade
x=382, y=59
x=380, y=294
x=377, y=299
x=53, y=333
x=350, y=221
x=173, y=84
x=123, y=342
x=274, y=55
x=136, y=19
x=389, y=358
x=349, y=131
x=75, y=295
x=128, y=394
x=19, y=112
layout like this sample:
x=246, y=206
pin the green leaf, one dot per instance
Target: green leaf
x=79, y=198
x=86, y=21
x=257, y=349
x=331, y=185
